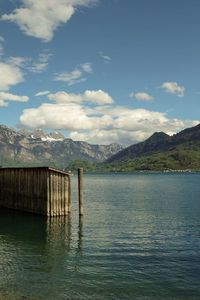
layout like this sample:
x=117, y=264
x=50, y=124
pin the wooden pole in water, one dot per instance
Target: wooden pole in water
x=69, y=195
x=80, y=190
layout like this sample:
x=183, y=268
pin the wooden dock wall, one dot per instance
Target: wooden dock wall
x=59, y=194
x=43, y=191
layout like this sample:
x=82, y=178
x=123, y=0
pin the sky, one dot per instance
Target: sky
x=100, y=71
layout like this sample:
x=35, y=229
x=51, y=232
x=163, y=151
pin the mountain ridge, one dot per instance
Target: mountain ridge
x=160, y=152
x=29, y=148
x=157, y=142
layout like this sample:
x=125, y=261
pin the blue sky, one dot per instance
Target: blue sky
x=100, y=71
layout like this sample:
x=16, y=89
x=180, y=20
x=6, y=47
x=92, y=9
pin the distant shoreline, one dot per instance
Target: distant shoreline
x=144, y=172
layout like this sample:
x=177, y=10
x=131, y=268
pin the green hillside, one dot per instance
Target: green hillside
x=176, y=159
x=160, y=152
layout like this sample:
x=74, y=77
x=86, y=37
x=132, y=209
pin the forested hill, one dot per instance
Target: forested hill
x=161, y=151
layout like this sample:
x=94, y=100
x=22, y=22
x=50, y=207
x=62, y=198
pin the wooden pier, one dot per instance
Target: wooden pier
x=41, y=190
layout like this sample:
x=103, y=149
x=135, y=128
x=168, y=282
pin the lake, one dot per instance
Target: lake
x=139, y=239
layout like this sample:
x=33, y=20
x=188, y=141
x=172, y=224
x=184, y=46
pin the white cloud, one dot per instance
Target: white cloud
x=87, y=67
x=33, y=65
x=1, y=45
x=6, y=97
x=70, y=78
x=41, y=64
x=75, y=76
x=109, y=136
x=42, y=93
x=1, y=50
x=99, y=97
x=107, y=59
x=69, y=116
x=40, y=18
x=18, y=61
x=131, y=126
x=63, y=97
x=102, y=123
x=142, y=96
x=12, y=75
x=173, y=88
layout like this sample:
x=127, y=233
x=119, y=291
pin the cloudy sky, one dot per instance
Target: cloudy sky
x=101, y=71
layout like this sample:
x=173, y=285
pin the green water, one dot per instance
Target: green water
x=139, y=239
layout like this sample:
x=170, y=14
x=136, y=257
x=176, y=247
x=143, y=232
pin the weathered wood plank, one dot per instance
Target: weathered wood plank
x=80, y=190
x=39, y=190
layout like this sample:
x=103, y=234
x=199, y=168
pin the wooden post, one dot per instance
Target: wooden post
x=80, y=190
x=69, y=195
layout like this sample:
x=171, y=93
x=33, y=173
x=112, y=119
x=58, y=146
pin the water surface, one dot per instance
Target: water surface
x=139, y=239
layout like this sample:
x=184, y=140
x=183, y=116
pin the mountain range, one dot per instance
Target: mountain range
x=159, y=152
x=41, y=148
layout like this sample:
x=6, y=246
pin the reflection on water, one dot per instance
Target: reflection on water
x=32, y=246
x=58, y=235
x=80, y=233
x=52, y=234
